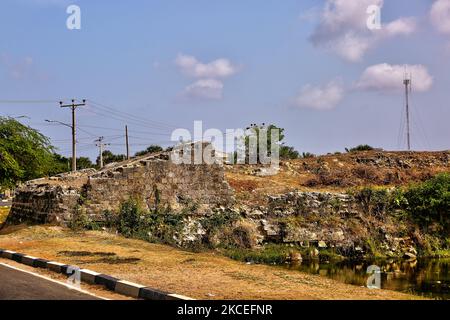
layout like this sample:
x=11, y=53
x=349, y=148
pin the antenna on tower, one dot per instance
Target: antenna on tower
x=407, y=81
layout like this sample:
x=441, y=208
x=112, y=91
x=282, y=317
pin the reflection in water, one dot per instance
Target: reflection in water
x=428, y=277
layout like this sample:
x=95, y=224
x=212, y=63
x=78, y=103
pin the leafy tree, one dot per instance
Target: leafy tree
x=83, y=163
x=25, y=153
x=61, y=164
x=286, y=152
x=109, y=157
x=151, y=149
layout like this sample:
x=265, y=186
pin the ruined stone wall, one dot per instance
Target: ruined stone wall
x=155, y=181
x=159, y=185
x=43, y=204
x=305, y=217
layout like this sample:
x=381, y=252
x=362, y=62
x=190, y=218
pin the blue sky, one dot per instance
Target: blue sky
x=311, y=67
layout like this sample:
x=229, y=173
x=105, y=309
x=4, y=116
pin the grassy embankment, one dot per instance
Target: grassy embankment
x=204, y=275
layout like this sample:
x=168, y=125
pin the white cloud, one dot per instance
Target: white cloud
x=386, y=77
x=210, y=89
x=320, y=97
x=440, y=15
x=351, y=46
x=402, y=26
x=210, y=84
x=343, y=28
x=220, y=68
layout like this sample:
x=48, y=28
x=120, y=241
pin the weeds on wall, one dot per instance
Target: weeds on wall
x=164, y=226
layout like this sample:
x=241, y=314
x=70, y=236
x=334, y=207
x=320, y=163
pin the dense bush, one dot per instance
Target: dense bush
x=374, y=201
x=167, y=227
x=429, y=201
x=134, y=222
x=131, y=218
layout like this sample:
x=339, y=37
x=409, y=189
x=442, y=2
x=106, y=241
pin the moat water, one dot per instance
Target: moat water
x=426, y=277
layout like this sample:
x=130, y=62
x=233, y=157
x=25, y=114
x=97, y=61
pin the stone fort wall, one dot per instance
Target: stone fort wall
x=154, y=180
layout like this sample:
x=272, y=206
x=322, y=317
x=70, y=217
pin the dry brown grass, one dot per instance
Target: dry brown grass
x=198, y=275
x=337, y=173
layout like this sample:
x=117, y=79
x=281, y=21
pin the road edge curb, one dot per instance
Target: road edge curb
x=119, y=286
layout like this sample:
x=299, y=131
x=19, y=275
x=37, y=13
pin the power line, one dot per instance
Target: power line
x=121, y=130
x=134, y=122
x=27, y=101
x=132, y=116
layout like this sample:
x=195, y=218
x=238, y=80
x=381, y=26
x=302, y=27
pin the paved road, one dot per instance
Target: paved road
x=18, y=285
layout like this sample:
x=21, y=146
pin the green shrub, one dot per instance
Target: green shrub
x=429, y=202
x=219, y=219
x=374, y=201
x=134, y=222
x=80, y=220
x=361, y=147
x=288, y=153
x=110, y=219
x=307, y=155
x=130, y=218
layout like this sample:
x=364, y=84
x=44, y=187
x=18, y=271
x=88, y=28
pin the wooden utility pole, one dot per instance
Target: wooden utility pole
x=100, y=145
x=73, y=106
x=126, y=141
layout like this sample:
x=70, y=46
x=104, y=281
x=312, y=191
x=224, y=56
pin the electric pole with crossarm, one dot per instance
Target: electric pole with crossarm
x=100, y=145
x=73, y=106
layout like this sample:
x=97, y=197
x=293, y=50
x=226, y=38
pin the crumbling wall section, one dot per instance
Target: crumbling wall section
x=160, y=185
x=43, y=204
x=154, y=180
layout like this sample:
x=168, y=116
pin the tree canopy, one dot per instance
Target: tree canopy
x=25, y=153
x=151, y=149
x=109, y=157
x=286, y=152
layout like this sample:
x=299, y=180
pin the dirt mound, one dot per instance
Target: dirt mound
x=338, y=172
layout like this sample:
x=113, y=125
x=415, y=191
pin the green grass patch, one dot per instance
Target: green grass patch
x=269, y=254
